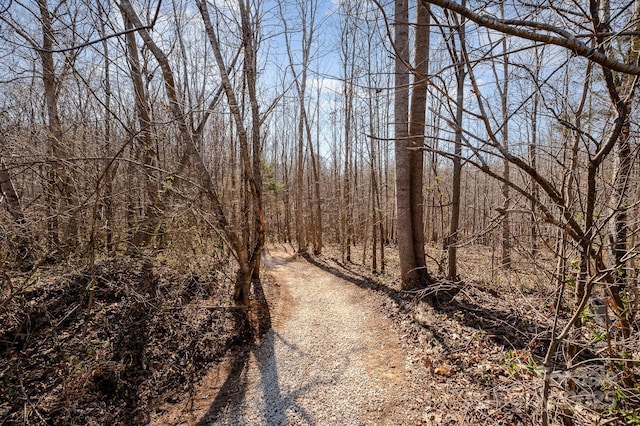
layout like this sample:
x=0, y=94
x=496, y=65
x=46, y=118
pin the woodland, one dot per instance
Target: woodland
x=151, y=150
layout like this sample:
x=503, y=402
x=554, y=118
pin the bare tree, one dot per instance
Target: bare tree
x=348, y=37
x=408, y=167
x=106, y=210
x=401, y=136
x=578, y=218
x=307, y=13
x=62, y=189
x=248, y=254
x=505, y=258
x=152, y=213
x=452, y=238
x=417, y=117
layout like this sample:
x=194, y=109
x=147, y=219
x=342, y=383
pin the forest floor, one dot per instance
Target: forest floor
x=83, y=345
x=331, y=357
x=137, y=341
x=348, y=347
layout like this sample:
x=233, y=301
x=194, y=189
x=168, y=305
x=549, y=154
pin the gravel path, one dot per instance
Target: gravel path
x=332, y=358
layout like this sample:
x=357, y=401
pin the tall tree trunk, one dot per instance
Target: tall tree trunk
x=376, y=211
x=286, y=198
x=379, y=202
x=406, y=248
x=346, y=185
x=409, y=158
x=304, y=127
x=452, y=239
x=255, y=181
x=533, y=158
x=60, y=180
x=348, y=70
x=107, y=200
x=152, y=212
x=505, y=258
x=301, y=236
x=417, y=134
x=315, y=160
x=247, y=260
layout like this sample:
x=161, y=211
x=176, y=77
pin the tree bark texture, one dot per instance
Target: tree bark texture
x=409, y=160
x=152, y=211
x=60, y=180
x=452, y=239
x=417, y=118
x=406, y=248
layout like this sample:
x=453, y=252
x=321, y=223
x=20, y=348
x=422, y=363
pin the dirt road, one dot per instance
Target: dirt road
x=332, y=358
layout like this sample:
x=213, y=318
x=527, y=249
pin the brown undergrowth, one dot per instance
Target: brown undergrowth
x=114, y=343
x=484, y=350
x=105, y=345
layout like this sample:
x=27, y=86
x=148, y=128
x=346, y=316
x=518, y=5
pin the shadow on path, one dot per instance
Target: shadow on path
x=227, y=406
x=362, y=281
x=232, y=391
x=506, y=328
x=257, y=322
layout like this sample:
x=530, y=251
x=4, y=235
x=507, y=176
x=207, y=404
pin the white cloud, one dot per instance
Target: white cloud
x=325, y=85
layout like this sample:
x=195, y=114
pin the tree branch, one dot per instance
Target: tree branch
x=545, y=34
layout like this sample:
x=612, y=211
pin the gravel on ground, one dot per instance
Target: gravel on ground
x=331, y=358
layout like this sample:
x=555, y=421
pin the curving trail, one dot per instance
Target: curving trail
x=331, y=359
